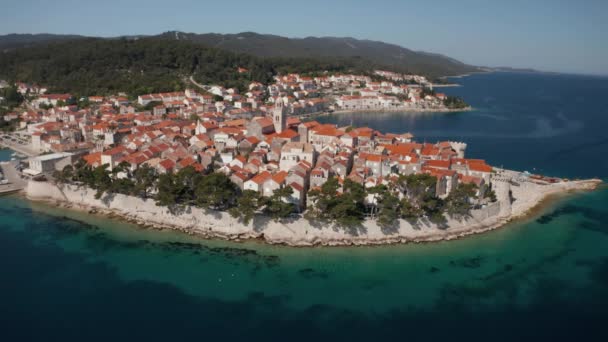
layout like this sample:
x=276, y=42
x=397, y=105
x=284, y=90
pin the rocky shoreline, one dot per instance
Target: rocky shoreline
x=301, y=232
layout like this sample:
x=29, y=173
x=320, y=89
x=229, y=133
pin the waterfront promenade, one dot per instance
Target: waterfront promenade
x=15, y=183
x=17, y=143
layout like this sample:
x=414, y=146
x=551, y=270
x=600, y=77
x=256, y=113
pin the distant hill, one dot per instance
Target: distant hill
x=143, y=65
x=377, y=53
x=15, y=41
x=371, y=54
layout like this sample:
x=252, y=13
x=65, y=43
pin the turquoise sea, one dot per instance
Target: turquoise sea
x=72, y=276
x=5, y=154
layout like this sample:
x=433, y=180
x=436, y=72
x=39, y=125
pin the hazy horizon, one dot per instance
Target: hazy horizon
x=552, y=36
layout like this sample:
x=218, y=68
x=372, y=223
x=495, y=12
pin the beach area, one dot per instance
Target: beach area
x=513, y=202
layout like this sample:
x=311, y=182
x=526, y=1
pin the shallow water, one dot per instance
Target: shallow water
x=5, y=154
x=69, y=275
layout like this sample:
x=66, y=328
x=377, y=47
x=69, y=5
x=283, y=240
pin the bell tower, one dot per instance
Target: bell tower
x=279, y=114
x=200, y=129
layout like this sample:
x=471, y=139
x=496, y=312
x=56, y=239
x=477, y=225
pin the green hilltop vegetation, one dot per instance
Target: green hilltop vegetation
x=137, y=66
x=373, y=54
x=16, y=41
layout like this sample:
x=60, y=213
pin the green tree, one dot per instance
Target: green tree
x=490, y=194
x=83, y=173
x=420, y=198
x=277, y=205
x=345, y=210
x=11, y=97
x=123, y=167
x=215, y=191
x=408, y=211
x=389, y=209
x=167, y=191
x=101, y=180
x=417, y=187
x=460, y=200
x=144, y=177
x=84, y=103
x=323, y=200
x=122, y=186
x=454, y=102
x=433, y=208
x=66, y=175
x=247, y=204
x=185, y=184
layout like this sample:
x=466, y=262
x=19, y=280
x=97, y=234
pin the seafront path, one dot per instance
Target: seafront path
x=15, y=183
x=17, y=143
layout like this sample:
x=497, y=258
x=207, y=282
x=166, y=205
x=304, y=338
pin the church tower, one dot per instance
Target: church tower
x=200, y=129
x=279, y=116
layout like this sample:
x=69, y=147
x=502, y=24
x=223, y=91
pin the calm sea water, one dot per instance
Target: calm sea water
x=72, y=276
x=5, y=154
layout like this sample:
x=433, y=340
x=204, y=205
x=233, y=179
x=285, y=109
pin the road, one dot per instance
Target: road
x=198, y=84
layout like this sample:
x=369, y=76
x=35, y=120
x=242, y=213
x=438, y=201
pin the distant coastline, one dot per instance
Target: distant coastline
x=380, y=111
x=405, y=110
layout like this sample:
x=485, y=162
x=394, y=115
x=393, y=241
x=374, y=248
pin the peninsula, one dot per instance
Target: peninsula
x=224, y=163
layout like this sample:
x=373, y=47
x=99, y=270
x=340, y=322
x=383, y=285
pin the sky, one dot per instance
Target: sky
x=548, y=35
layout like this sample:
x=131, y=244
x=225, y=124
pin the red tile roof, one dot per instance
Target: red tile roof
x=480, y=167
x=296, y=187
x=93, y=158
x=440, y=164
x=287, y=134
x=115, y=150
x=261, y=177
x=280, y=177
x=469, y=179
x=187, y=162
x=167, y=164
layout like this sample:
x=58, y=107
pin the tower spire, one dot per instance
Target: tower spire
x=279, y=114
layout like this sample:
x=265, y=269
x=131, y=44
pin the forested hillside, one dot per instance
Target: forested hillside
x=380, y=54
x=137, y=66
x=15, y=41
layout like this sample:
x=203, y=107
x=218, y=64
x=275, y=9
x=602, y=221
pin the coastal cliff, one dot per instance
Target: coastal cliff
x=301, y=232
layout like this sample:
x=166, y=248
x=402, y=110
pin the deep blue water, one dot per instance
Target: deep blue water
x=73, y=276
